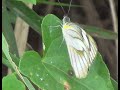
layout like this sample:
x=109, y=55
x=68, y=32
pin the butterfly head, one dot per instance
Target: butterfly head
x=66, y=19
x=66, y=22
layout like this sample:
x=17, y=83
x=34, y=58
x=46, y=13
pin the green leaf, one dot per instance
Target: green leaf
x=32, y=67
x=50, y=30
x=5, y=49
x=9, y=35
x=12, y=17
x=115, y=84
x=28, y=84
x=53, y=71
x=6, y=53
x=6, y=62
x=10, y=82
x=8, y=31
x=28, y=1
x=28, y=15
x=100, y=32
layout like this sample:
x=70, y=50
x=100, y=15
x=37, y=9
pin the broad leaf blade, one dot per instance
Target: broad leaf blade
x=50, y=30
x=56, y=64
x=32, y=67
x=10, y=82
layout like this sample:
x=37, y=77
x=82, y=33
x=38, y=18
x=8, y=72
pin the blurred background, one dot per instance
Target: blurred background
x=91, y=12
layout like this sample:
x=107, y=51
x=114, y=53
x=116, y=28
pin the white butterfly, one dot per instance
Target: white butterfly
x=81, y=47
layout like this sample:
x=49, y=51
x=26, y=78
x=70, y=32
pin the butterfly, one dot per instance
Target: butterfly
x=81, y=47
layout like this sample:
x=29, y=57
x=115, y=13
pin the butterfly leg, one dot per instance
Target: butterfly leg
x=61, y=42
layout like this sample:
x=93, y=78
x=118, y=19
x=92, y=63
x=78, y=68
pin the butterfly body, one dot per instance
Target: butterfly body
x=81, y=47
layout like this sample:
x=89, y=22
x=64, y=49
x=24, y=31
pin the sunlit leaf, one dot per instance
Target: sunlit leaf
x=28, y=1
x=10, y=82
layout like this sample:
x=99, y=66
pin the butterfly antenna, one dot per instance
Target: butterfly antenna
x=69, y=7
x=62, y=7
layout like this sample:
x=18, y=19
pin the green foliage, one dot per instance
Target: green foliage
x=115, y=84
x=34, y=21
x=5, y=49
x=10, y=82
x=50, y=30
x=8, y=30
x=28, y=1
x=53, y=70
x=28, y=15
x=100, y=32
x=32, y=67
x=51, y=73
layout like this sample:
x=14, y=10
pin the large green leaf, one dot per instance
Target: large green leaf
x=50, y=30
x=53, y=72
x=32, y=67
x=10, y=82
